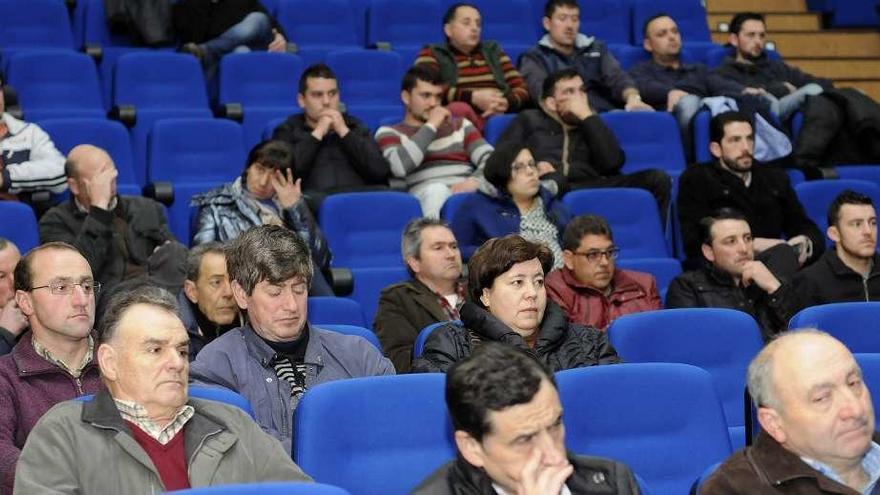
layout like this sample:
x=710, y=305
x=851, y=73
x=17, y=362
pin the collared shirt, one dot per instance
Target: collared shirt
x=137, y=414
x=452, y=310
x=870, y=463
x=74, y=372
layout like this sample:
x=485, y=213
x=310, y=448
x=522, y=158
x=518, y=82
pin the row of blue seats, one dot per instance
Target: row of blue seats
x=848, y=13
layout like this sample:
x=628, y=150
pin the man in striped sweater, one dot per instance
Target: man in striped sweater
x=435, y=153
x=478, y=73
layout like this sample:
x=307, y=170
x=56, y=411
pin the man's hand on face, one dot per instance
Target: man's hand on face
x=279, y=43
x=575, y=108
x=757, y=272
x=468, y=185
x=536, y=479
x=11, y=318
x=438, y=115
x=545, y=168
x=485, y=98
x=100, y=186
x=673, y=97
x=287, y=190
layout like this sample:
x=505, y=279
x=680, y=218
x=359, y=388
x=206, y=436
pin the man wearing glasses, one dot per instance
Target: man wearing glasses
x=55, y=290
x=732, y=278
x=588, y=287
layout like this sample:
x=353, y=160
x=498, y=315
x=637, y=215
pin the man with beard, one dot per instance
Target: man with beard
x=851, y=271
x=438, y=155
x=573, y=147
x=763, y=194
x=732, y=278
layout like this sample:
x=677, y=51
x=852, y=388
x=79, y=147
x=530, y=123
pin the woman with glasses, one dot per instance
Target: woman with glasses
x=508, y=303
x=517, y=203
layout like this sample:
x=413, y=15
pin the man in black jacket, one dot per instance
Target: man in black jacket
x=762, y=193
x=573, y=146
x=507, y=417
x=335, y=152
x=732, y=278
x=850, y=271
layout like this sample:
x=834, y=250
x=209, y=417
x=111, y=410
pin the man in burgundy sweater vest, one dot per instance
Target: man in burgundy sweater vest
x=144, y=434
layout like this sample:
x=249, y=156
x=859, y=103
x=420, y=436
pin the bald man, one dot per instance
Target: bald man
x=817, y=423
x=122, y=237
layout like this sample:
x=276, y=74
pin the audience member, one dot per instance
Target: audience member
x=434, y=293
x=786, y=87
x=335, y=152
x=731, y=277
x=207, y=307
x=473, y=71
x=763, y=194
x=270, y=273
x=122, y=237
x=210, y=29
x=589, y=288
x=54, y=362
x=850, y=271
x=30, y=165
x=268, y=192
x=509, y=305
x=144, y=434
x=435, y=153
x=564, y=47
x=510, y=434
x=817, y=423
x=573, y=146
x=12, y=321
x=517, y=204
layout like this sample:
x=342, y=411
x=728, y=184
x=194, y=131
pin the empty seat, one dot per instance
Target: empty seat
x=853, y=13
x=637, y=227
x=510, y=23
x=690, y=15
x=109, y=135
x=649, y=139
x=369, y=282
x=607, y=20
x=364, y=228
x=335, y=311
x=853, y=323
x=265, y=86
x=318, y=26
x=19, y=225
x=721, y=341
x=816, y=196
x=368, y=77
x=157, y=85
x=194, y=155
x=28, y=24
x=663, y=420
x=404, y=26
x=55, y=84
x=375, y=435
x=495, y=126
x=861, y=172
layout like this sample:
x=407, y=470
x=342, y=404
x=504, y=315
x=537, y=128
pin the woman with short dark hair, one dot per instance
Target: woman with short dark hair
x=509, y=305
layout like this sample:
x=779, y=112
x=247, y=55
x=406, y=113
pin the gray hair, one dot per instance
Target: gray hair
x=4, y=243
x=268, y=252
x=120, y=303
x=759, y=376
x=194, y=258
x=411, y=240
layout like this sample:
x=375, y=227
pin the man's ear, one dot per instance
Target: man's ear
x=715, y=149
x=772, y=423
x=833, y=233
x=708, y=253
x=23, y=300
x=239, y=294
x=413, y=264
x=300, y=100
x=550, y=104
x=470, y=448
x=733, y=39
x=108, y=362
x=189, y=288
x=568, y=259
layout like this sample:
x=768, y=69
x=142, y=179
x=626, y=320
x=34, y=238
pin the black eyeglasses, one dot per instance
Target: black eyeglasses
x=65, y=288
x=594, y=255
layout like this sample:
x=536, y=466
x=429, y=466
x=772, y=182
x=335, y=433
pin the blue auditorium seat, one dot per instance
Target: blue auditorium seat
x=404, y=26
x=267, y=488
x=853, y=323
x=194, y=155
x=109, y=135
x=265, y=84
x=27, y=24
x=19, y=225
x=159, y=85
x=664, y=270
x=355, y=330
x=363, y=229
x=649, y=140
x=510, y=23
x=870, y=365
x=607, y=20
x=335, y=311
x=56, y=83
x=422, y=337
x=368, y=285
x=374, y=435
x=664, y=420
x=450, y=207
x=318, y=26
x=628, y=55
x=690, y=15
x=816, y=196
x=367, y=77
x=637, y=228
x=862, y=172
x=853, y=13
x=721, y=341
x=495, y=126
x=223, y=395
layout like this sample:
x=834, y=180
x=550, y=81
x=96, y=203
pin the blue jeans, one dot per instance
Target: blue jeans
x=789, y=104
x=684, y=111
x=252, y=32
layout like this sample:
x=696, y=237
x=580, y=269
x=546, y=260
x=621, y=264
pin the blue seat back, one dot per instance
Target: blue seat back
x=663, y=420
x=223, y=395
x=721, y=341
x=374, y=435
x=319, y=23
x=495, y=126
x=159, y=80
x=55, y=84
x=367, y=76
x=19, y=225
x=33, y=24
x=870, y=365
x=368, y=285
x=403, y=23
x=853, y=323
x=260, y=79
x=419, y=344
x=335, y=311
x=357, y=331
x=509, y=22
x=690, y=15
x=649, y=139
x=607, y=20
x=452, y=204
x=637, y=228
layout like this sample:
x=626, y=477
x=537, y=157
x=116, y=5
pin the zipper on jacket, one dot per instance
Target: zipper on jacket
x=281, y=407
x=79, y=388
x=865, y=288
